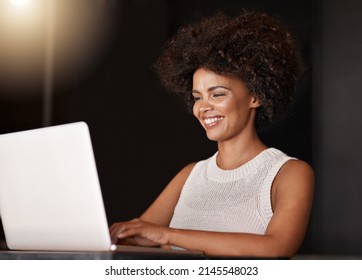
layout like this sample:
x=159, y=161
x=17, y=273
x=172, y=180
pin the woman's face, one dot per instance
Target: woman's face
x=223, y=105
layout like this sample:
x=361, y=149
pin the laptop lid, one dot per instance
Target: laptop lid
x=50, y=197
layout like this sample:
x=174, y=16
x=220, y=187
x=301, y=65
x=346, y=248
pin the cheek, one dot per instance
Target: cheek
x=226, y=106
x=195, y=110
x=236, y=106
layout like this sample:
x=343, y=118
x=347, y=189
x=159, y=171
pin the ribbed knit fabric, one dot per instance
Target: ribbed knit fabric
x=237, y=200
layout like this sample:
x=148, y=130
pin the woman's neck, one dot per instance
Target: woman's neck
x=236, y=152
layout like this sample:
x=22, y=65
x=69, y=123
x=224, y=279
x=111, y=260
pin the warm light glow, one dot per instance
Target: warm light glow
x=69, y=39
x=19, y=3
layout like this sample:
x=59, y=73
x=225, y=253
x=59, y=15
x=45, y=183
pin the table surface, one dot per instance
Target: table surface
x=48, y=255
x=45, y=255
x=53, y=255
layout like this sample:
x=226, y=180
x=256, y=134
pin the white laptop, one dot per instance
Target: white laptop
x=50, y=196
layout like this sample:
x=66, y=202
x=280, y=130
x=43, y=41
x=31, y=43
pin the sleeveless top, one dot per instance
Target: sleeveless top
x=237, y=200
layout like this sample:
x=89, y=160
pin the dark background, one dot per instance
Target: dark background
x=143, y=135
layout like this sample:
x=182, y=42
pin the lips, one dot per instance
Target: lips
x=212, y=121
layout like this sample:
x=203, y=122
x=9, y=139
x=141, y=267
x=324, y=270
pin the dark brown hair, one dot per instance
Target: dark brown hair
x=253, y=47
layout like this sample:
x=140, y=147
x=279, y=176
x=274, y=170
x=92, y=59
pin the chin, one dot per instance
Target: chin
x=213, y=137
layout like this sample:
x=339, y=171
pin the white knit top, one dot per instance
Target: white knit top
x=237, y=200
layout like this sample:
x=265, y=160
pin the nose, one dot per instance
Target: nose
x=205, y=106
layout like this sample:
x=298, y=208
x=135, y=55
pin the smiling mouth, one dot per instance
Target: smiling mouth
x=210, y=122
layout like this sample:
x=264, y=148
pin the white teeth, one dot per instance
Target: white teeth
x=213, y=120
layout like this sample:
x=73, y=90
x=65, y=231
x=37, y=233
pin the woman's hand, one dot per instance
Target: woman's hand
x=138, y=232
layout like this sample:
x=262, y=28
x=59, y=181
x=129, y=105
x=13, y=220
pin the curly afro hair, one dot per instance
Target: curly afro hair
x=253, y=47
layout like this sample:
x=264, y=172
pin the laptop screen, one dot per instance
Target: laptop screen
x=50, y=197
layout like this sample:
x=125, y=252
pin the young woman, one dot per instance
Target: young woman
x=238, y=74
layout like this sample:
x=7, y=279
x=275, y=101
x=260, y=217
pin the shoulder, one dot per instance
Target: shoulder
x=184, y=173
x=294, y=169
x=294, y=177
x=292, y=203
x=188, y=168
x=195, y=168
x=161, y=210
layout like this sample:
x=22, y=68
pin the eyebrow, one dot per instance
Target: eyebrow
x=211, y=89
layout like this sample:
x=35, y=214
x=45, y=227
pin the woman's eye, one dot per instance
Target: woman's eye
x=218, y=94
x=196, y=98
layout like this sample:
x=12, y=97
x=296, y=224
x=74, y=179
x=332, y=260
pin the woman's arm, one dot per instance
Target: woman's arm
x=292, y=197
x=161, y=210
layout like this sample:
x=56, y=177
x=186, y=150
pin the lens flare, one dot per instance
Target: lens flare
x=70, y=40
x=19, y=3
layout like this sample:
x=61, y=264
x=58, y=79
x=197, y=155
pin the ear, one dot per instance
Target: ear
x=255, y=102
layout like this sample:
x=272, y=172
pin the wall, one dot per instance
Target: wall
x=338, y=87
